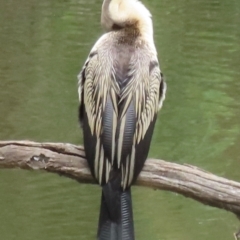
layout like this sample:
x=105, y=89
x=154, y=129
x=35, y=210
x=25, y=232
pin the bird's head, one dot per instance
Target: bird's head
x=123, y=13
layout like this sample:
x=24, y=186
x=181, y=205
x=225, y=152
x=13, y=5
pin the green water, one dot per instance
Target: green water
x=43, y=45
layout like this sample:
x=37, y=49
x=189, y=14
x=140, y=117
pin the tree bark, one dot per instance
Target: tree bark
x=69, y=160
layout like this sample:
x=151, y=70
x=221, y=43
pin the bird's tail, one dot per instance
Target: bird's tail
x=116, y=217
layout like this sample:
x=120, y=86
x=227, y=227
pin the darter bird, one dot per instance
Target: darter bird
x=121, y=90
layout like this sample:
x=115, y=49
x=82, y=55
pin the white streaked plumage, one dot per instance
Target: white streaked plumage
x=120, y=86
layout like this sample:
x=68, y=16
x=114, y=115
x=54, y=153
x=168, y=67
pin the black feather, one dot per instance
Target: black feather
x=107, y=122
x=89, y=141
x=142, y=149
x=116, y=217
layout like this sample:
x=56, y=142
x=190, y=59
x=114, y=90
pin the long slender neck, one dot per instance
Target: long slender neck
x=126, y=14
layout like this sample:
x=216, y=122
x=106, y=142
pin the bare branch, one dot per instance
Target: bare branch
x=69, y=160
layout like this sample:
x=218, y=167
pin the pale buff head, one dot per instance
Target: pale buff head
x=124, y=13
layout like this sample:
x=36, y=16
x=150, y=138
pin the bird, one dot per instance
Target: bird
x=121, y=90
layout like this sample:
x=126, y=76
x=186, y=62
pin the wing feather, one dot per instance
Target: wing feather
x=147, y=93
x=98, y=111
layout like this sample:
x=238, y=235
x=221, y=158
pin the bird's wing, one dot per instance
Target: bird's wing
x=142, y=98
x=98, y=110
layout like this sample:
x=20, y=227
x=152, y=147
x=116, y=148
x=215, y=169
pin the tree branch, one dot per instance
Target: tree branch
x=69, y=160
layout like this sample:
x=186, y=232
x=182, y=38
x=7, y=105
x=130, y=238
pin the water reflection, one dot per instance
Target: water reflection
x=43, y=45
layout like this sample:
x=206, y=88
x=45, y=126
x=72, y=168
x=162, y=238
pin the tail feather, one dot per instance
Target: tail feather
x=116, y=217
x=127, y=215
